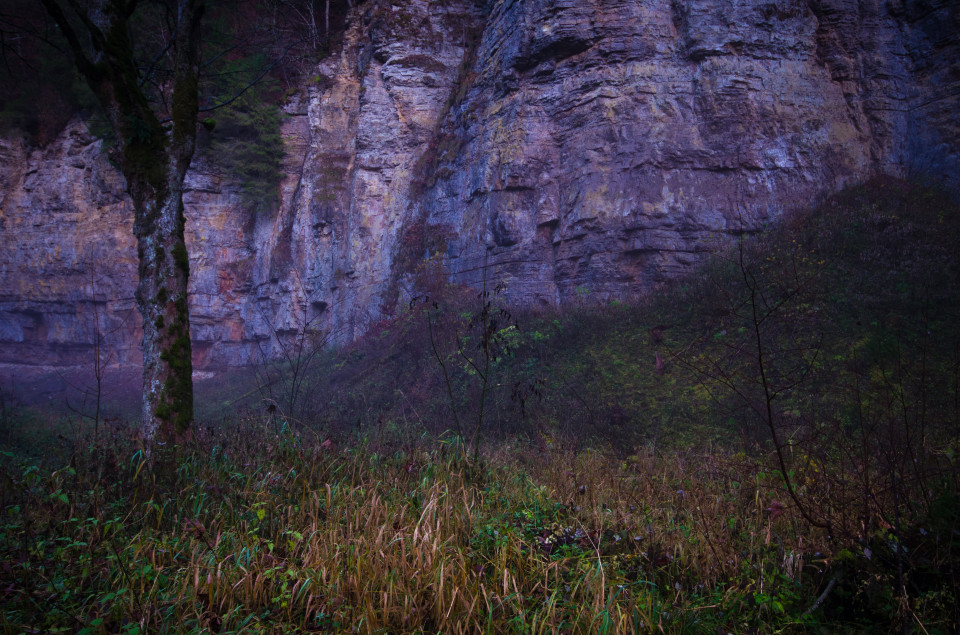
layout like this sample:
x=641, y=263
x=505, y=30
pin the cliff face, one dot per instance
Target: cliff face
x=603, y=145
x=568, y=147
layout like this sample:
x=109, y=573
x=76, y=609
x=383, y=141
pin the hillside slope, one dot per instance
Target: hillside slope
x=857, y=303
x=767, y=445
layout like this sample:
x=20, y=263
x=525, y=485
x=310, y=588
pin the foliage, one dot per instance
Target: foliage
x=253, y=52
x=483, y=340
x=259, y=53
x=251, y=531
x=628, y=482
x=872, y=267
x=245, y=138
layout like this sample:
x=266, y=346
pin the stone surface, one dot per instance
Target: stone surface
x=603, y=146
x=574, y=149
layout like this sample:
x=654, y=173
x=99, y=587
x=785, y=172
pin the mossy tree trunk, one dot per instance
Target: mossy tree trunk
x=153, y=157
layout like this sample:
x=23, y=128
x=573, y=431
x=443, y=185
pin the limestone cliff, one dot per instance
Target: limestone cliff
x=570, y=147
x=602, y=145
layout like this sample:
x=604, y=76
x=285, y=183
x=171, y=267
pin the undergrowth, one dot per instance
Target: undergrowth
x=253, y=531
x=861, y=300
x=768, y=445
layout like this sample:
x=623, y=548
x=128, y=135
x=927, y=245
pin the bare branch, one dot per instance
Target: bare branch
x=84, y=64
x=250, y=84
x=97, y=37
x=148, y=73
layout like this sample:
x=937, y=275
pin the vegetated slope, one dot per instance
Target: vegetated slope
x=857, y=304
x=268, y=528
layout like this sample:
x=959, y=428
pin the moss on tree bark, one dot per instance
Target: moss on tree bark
x=154, y=164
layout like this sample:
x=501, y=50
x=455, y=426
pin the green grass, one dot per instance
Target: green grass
x=256, y=532
x=251, y=531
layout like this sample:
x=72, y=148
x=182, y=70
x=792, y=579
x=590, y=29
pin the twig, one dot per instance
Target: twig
x=823, y=596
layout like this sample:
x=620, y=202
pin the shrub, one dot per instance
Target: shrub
x=245, y=137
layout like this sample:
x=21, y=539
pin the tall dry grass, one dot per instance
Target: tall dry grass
x=255, y=532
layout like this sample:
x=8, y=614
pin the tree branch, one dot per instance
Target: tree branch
x=97, y=38
x=252, y=83
x=156, y=60
x=750, y=281
x=84, y=64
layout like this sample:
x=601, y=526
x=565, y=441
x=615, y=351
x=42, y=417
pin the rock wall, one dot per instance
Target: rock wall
x=604, y=145
x=570, y=148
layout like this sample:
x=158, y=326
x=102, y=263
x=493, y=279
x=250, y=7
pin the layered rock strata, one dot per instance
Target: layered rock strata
x=601, y=146
x=571, y=149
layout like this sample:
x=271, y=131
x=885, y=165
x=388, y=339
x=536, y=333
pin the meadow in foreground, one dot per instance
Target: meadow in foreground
x=259, y=531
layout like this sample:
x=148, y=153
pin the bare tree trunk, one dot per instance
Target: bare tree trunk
x=314, y=33
x=154, y=164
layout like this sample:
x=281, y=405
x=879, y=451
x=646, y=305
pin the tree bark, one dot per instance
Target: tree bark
x=154, y=162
